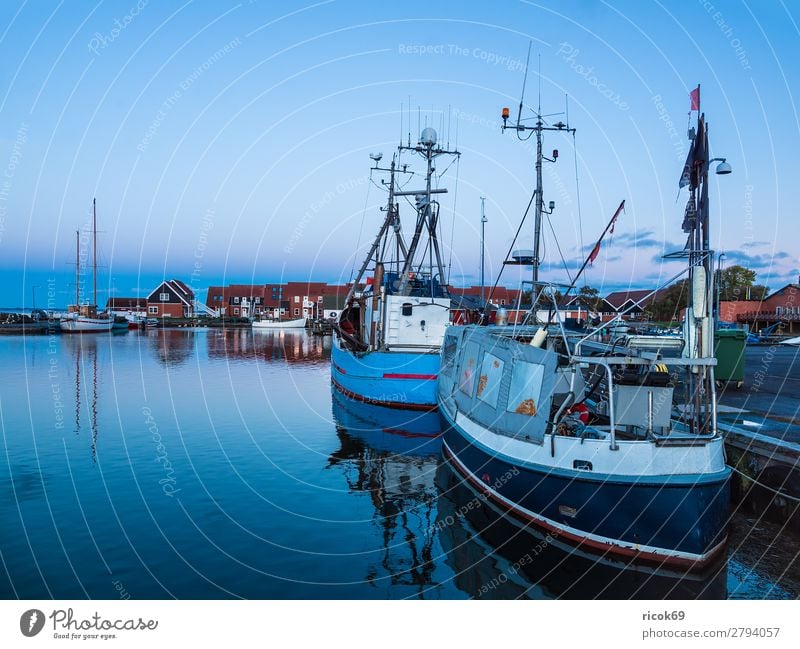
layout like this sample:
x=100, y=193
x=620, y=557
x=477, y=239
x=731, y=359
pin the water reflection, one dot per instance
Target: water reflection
x=392, y=456
x=495, y=557
x=290, y=346
x=83, y=354
x=171, y=346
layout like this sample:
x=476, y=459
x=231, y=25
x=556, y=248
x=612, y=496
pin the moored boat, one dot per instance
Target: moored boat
x=299, y=323
x=386, y=342
x=85, y=318
x=595, y=445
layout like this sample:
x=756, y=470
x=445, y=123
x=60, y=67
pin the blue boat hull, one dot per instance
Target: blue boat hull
x=655, y=519
x=390, y=379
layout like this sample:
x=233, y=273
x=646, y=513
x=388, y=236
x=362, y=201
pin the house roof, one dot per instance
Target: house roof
x=184, y=293
x=126, y=303
x=619, y=299
x=781, y=291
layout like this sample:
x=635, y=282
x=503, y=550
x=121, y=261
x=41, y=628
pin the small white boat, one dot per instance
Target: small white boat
x=791, y=341
x=77, y=323
x=299, y=323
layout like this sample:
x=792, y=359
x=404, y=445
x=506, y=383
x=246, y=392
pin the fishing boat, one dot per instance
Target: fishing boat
x=84, y=318
x=299, y=323
x=387, y=338
x=611, y=447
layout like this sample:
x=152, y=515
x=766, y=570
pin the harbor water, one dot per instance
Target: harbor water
x=218, y=464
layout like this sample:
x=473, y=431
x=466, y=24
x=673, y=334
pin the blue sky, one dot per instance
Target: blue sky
x=229, y=141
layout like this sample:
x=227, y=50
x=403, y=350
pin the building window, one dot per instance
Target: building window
x=502, y=301
x=283, y=311
x=236, y=300
x=296, y=299
x=319, y=299
x=217, y=298
x=296, y=311
x=152, y=310
x=236, y=311
x=163, y=297
x=257, y=300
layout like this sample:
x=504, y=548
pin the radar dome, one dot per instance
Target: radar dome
x=428, y=137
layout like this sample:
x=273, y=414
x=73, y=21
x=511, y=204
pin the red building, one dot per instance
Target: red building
x=781, y=306
x=172, y=299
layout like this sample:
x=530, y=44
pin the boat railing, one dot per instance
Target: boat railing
x=608, y=363
x=618, y=318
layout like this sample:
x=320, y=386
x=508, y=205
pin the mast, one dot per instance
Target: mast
x=427, y=217
x=483, y=244
x=77, y=269
x=94, y=249
x=390, y=220
x=538, y=129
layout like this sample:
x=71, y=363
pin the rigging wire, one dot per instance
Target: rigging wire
x=360, y=230
x=453, y=226
x=511, y=247
x=558, y=246
x=577, y=190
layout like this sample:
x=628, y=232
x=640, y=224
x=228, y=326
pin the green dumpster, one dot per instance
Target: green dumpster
x=729, y=349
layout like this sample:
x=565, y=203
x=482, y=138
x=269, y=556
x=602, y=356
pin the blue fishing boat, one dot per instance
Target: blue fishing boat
x=387, y=339
x=594, y=443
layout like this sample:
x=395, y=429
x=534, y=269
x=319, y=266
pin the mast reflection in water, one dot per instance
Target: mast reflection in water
x=393, y=456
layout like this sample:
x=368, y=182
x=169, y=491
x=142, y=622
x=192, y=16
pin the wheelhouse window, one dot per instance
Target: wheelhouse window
x=526, y=388
x=489, y=379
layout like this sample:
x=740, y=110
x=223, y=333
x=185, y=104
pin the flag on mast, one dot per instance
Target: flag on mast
x=609, y=228
x=694, y=96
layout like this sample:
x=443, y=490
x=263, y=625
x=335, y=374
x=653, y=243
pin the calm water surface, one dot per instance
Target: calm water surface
x=210, y=464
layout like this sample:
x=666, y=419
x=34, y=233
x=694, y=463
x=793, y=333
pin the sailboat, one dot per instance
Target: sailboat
x=610, y=447
x=387, y=339
x=84, y=318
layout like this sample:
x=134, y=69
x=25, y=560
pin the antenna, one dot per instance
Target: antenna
x=524, y=82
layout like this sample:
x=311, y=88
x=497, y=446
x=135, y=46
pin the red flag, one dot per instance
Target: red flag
x=595, y=252
x=694, y=96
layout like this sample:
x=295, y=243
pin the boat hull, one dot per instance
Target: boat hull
x=677, y=521
x=405, y=380
x=287, y=324
x=86, y=325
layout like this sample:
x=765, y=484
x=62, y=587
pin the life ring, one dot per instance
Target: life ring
x=581, y=410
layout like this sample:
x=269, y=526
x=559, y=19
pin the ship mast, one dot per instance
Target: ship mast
x=77, y=269
x=392, y=220
x=539, y=128
x=94, y=248
x=427, y=216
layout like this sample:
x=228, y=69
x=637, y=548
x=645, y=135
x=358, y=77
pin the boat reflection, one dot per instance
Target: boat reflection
x=392, y=456
x=495, y=557
x=83, y=351
x=290, y=346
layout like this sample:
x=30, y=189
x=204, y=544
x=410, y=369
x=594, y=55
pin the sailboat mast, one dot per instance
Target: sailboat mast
x=77, y=268
x=94, y=248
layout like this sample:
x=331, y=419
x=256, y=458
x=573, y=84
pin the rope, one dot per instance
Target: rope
x=763, y=486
